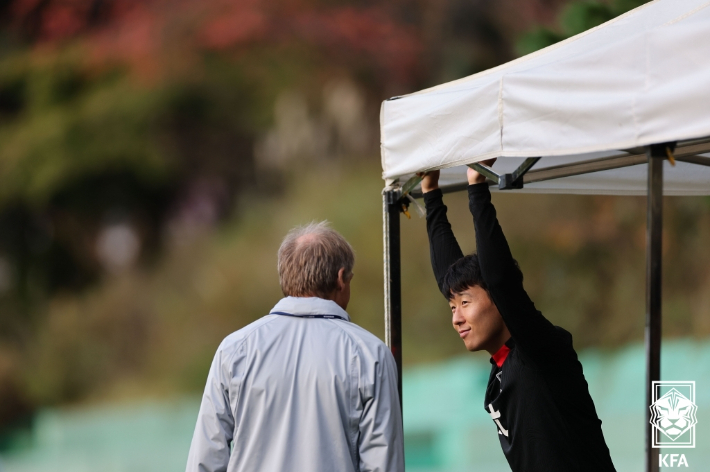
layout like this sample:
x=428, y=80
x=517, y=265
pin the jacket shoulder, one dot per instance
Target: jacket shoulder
x=234, y=341
x=364, y=339
x=564, y=336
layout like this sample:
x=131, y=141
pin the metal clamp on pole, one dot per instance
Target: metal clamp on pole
x=397, y=197
x=506, y=181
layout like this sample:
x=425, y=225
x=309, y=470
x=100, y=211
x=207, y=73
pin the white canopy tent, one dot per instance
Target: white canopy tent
x=598, y=113
x=640, y=79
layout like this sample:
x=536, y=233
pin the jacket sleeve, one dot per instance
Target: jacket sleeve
x=444, y=250
x=381, y=440
x=210, y=448
x=535, y=336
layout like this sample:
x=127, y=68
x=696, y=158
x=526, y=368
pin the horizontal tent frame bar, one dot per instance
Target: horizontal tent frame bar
x=687, y=153
x=612, y=162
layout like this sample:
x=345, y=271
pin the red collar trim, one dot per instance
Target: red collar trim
x=500, y=356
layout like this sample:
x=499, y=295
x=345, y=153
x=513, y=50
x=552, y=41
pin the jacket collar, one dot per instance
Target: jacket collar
x=305, y=306
x=499, y=357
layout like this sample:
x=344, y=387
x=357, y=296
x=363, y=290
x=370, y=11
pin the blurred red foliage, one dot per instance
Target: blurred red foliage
x=147, y=34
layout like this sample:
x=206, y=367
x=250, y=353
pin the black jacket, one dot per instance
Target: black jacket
x=538, y=399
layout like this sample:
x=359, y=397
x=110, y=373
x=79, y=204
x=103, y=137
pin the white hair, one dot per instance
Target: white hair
x=310, y=258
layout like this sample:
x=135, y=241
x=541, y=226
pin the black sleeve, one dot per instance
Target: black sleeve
x=534, y=335
x=443, y=247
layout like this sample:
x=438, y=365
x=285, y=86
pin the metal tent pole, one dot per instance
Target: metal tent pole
x=654, y=227
x=393, y=281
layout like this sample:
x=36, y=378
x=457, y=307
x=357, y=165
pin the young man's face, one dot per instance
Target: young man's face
x=477, y=320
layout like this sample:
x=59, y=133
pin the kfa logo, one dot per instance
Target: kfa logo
x=671, y=460
x=673, y=414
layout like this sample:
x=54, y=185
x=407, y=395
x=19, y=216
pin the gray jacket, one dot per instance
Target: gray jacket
x=296, y=391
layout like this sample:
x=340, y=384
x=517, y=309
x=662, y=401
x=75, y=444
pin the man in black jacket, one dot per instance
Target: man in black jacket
x=537, y=396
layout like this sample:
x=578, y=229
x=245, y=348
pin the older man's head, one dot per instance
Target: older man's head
x=316, y=261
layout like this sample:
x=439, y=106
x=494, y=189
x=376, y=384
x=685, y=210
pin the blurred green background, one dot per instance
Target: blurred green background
x=154, y=153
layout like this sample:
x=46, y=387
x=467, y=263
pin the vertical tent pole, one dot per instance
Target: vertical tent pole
x=393, y=280
x=654, y=228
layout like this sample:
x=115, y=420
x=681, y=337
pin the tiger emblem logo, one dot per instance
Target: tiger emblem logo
x=673, y=414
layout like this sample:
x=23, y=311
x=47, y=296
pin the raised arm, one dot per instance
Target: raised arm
x=444, y=250
x=534, y=335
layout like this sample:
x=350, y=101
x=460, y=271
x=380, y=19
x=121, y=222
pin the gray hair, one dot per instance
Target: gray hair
x=310, y=257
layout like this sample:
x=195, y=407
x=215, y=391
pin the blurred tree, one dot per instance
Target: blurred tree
x=124, y=121
x=576, y=17
x=148, y=108
x=129, y=125
x=151, y=109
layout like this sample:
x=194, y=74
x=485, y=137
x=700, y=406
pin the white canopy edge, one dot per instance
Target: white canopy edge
x=640, y=79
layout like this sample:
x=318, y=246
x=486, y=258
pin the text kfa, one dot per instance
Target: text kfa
x=672, y=460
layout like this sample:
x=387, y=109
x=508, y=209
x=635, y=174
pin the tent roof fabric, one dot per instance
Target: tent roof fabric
x=642, y=78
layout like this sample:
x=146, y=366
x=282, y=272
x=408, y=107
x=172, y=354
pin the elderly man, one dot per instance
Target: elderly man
x=302, y=389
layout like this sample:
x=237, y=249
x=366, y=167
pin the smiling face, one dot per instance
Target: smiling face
x=477, y=320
